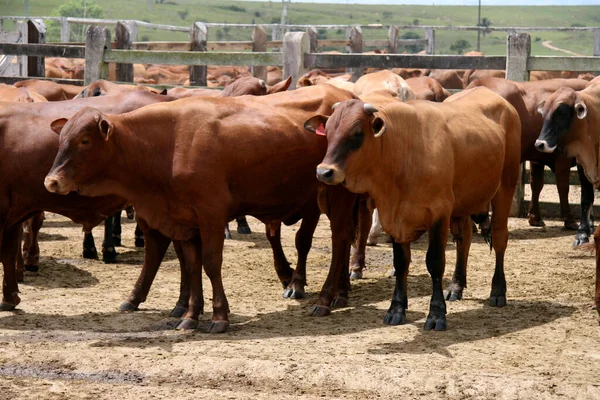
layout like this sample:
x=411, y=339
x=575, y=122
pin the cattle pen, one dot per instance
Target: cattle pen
x=68, y=340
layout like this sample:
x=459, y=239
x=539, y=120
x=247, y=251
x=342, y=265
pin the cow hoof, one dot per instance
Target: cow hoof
x=130, y=212
x=355, y=275
x=435, y=322
x=90, y=253
x=228, y=235
x=178, y=311
x=4, y=306
x=139, y=242
x=452, y=295
x=290, y=293
x=320, y=311
x=218, y=327
x=244, y=230
x=339, y=302
x=128, y=307
x=393, y=273
x=109, y=256
x=187, y=324
x=580, y=239
x=117, y=240
x=32, y=268
x=571, y=225
x=534, y=221
x=20, y=277
x=372, y=241
x=395, y=317
x=497, y=301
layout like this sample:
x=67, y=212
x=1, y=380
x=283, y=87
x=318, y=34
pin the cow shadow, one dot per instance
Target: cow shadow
x=533, y=233
x=43, y=236
x=54, y=274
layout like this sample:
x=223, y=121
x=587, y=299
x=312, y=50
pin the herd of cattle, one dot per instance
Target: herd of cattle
x=199, y=158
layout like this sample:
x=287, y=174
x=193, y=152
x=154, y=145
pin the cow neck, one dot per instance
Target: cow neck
x=144, y=154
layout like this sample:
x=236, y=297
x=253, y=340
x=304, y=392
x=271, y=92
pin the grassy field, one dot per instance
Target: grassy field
x=172, y=11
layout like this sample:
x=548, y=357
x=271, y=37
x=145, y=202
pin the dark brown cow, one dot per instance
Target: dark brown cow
x=416, y=159
x=448, y=78
x=572, y=125
x=28, y=148
x=187, y=178
x=525, y=96
x=50, y=90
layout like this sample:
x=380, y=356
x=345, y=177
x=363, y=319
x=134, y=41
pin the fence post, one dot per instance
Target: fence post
x=125, y=34
x=65, y=32
x=22, y=60
x=275, y=32
x=259, y=44
x=295, y=46
x=313, y=37
x=199, y=39
x=430, y=36
x=518, y=51
x=356, y=46
x=393, y=39
x=596, y=42
x=36, y=33
x=97, y=41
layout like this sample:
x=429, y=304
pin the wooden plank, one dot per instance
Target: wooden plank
x=560, y=63
x=125, y=33
x=9, y=37
x=334, y=42
x=9, y=80
x=430, y=37
x=259, y=39
x=313, y=36
x=412, y=42
x=161, y=46
x=295, y=45
x=230, y=46
x=596, y=42
x=550, y=178
x=392, y=39
x=43, y=50
x=199, y=37
x=356, y=46
x=65, y=30
x=36, y=66
x=192, y=58
x=96, y=42
x=316, y=60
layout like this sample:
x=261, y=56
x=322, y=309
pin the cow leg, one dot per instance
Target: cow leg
x=31, y=248
x=20, y=264
x=156, y=247
x=89, y=246
x=109, y=254
x=116, y=228
x=227, y=232
x=500, y=210
x=184, y=286
x=139, y=236
x=357, y=263
x=562, y=170
x=587, y=200
x=536, y=180
x=436, y=262
x=396, y=314
x=597, y=294
x=462, y=233
x=282, y=265
x=242, y=225
x=343, y=229
x=8, y=252
x=304, y=236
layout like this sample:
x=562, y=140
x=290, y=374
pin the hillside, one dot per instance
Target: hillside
x=172, y=11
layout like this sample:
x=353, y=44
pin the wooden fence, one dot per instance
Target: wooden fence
x=297, y=57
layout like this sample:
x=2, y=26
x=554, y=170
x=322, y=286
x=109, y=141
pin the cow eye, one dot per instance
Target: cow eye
x=85, y=141
x=356, y=140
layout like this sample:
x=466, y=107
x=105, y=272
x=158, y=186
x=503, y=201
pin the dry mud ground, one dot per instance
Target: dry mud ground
x=68, y=341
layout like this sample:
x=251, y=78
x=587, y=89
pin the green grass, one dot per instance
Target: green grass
x=304, y=13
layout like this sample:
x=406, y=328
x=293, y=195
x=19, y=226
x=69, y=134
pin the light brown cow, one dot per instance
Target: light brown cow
x=572, y=125
x=416, y=160
x=50, y=90
x=383, y=80
x=104, y=87
x=426, y=88
x=19, y=94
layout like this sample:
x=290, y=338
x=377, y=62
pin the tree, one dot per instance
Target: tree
x=485, y=22
x=411, y=35
x=183, y=14
x=460, y=46
x=76, y=9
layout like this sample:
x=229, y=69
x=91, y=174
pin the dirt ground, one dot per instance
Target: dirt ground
x=67, y=339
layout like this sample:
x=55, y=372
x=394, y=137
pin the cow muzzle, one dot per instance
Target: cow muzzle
x=544, y=147
x=55, y=184
x=330, y=174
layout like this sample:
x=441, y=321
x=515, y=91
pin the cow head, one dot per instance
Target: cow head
x=85, y=145
x=352, y=133
x=254, y=86
x=565, y=128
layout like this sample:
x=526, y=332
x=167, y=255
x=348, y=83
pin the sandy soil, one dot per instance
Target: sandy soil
x=67, y=339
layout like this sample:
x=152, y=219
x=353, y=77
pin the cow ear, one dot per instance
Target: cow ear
x=163, y=92
x=540, y=107
x=281, y=86
x=58, y=124
x=581, y=109
x=379, y=126
x=106, y=128
x=316, y=124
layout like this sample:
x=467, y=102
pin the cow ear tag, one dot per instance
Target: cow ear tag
x=321, y=130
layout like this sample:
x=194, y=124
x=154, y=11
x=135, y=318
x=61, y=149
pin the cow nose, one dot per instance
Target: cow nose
x=542, y=145
x=325, y=174
x=51, y=184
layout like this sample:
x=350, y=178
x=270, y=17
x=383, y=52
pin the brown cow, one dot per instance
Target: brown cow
x=103, y=87
x=572, y=125
x=525, y=96
x=186, y=183
x=383, y=80
x=19, y=94
x=50, y=90
x=426, y=88
x=28, y=148
x=416, y=161
x=448, y=78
